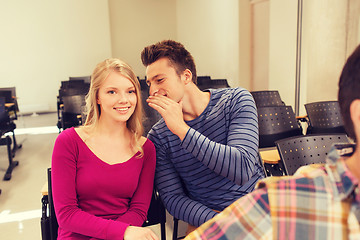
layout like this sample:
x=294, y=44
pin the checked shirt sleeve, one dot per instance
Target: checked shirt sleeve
x=247, y=218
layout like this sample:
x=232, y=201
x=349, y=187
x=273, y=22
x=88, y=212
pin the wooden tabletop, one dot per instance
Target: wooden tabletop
x=9, y=104
x=44, y=189
x=270, y=156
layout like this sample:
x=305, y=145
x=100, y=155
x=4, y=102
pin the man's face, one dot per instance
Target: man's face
x=163, y=79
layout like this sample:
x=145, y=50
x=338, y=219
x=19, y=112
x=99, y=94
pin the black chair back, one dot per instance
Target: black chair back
x=4, y=118
x=84, y=78
x=276, y=123
x=72, y=111
x=212, y=83
x=156, y=213
x=304, y=150
x=11, y=98
x=268, y=98
x=53, y=221
x=74, y=103
x=324, y=117
x=151, y=115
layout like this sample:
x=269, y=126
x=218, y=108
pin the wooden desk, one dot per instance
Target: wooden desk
x=9, y=104
x=270, y=156
x=44, y=189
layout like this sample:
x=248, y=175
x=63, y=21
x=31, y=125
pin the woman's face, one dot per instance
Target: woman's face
x=117, y=98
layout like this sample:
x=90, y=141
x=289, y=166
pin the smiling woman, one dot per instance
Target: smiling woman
x=103, y=172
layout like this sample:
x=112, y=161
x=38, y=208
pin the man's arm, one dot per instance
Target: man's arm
x=236, y=159
x=172, y=191
x=247, y=218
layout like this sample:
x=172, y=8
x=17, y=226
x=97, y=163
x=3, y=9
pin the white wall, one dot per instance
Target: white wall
x=209, y=29
x=245, y=43
x=282, y=48
x=330, y=30
x=44, y=42
x=138, y=23
x=260, y=21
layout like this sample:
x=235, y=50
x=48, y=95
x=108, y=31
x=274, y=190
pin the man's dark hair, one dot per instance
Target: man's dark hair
x=178, y=56
x=349, y=89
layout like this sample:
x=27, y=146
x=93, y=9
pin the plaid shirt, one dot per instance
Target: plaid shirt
x=318, y=202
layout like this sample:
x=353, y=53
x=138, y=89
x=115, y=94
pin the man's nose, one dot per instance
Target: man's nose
x=153, y=90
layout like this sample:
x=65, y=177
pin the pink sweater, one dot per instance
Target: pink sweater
x=93, y=199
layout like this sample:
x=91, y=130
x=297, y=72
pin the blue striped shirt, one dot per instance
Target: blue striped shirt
x=217, y=161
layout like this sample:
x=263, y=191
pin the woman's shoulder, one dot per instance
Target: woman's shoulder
x=147, y=144
x=67, y=133
x=82, y=132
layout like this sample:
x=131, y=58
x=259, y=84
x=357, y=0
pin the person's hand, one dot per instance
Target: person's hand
x=172, y=113
x=139, y=233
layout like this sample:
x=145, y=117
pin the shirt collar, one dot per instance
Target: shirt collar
x=344, y=183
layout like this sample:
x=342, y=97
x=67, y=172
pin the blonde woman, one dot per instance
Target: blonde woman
x=102, y=172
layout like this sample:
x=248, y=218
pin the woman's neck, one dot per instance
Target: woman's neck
x=111, y=129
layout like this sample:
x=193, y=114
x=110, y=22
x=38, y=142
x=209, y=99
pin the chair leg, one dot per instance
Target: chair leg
x=175, y=231
x=12, y=164
x=15, y=146
x=163, y=233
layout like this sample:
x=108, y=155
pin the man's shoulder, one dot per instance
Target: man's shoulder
x=235, y=92
x=304, y=176
x=160, y=133
x=232, y=96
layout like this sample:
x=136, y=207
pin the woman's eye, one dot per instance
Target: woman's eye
x=131, y=91
x=160, y=80
x=111, y=92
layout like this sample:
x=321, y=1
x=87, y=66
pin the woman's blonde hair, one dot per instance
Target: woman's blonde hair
x=101, y=72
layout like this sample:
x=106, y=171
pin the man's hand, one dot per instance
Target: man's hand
x=172, y=113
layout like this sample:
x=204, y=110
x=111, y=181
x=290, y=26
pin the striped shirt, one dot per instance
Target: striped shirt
x=217, y=161
x=318, y=202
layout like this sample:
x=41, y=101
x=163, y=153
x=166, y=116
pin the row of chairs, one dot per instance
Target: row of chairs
x=299, y=151
x=8, y=114
x=322, y=117
x=279, y=125
x=71, y=102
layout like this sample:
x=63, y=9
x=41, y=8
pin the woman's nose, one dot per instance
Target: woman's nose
x=122, y=98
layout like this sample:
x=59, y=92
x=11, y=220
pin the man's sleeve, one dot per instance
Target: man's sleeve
x=247, y=218
x=236, y=159
x=172, y=191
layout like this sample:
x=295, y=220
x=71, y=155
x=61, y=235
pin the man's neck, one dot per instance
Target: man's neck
x=353, y=163
x=194, y=102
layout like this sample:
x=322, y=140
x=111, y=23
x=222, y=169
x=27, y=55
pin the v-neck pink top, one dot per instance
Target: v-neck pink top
x=95, y=199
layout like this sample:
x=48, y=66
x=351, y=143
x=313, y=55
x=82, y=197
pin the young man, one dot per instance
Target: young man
x=317, y=203
x=206, y=142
